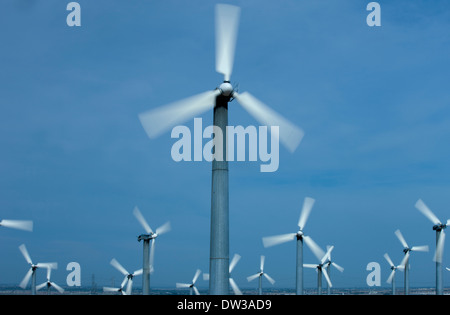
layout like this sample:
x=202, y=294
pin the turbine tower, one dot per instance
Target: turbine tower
x=32, y=271
x=260, y=274
x=300, y=237
x=191, y=285
x=18, y=224
x=439, y=227
x=148, y=253
x=160, y=120
x=394, y=268
x=407, y=250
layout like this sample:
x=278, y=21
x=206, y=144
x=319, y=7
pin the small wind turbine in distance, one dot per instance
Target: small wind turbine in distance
x=18, y=224
x=331, y=263
x=191, y=285
x=160, y=120
x=260, y=274
x=320, y=269
x=299, y=236
x=49, y=284
x=391, y=278
x=233, y=284
x=439, y=227
x=111, y=289
x=128, y=280
x=32, y=271
x=407, y=250
x=148, y=253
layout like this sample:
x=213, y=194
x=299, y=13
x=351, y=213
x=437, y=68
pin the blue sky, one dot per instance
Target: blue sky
x=373, y=102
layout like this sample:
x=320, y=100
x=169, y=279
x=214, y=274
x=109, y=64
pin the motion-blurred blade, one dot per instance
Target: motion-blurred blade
x=325, y=273
x=227, y=22
x=278, y=239
x=25, y=254
x=137, y=213
x=25, y=280
x=124, y=282
x=197, y=274
x=405, y=260
x=18, y=224
x=119, y=267
x=252, y=277
x=138, y=272
x=447, y=268
x=341, y=269
x=233, y=262
x=401, y=238
x=269, y=278
x=423, y=248
x=317, y=251
x=327, y=256
x=57, y=287
x=290, y=135
x=261, y=265
x=386, y=256
x=196, y=291
x=163, y=228
x=391, y=276
x=161, y=119
x=439, y=248
x=235, y=287
x=427, y=212
x=52, y=265
x=129, y=286
x=109, y=289
x=40, y=286
x=183, y=285
x=310, y=265
x=306, y=210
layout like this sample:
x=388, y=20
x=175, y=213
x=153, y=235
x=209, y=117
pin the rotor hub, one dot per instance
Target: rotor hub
x=226, y=88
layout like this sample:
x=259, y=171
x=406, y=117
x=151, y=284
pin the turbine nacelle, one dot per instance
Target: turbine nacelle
x=226, y=89
x=439, y=227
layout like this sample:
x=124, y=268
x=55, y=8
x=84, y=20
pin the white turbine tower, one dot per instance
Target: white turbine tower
x=321, y=269
x=300, y=237
x=439, y=227
x=18, y=224
x=191, y=286
x=32, y=271
x=233, y=284
x=407, y=250
x=128, y=280
x=149, y=253
x=260, y=274
x=49, y=284
x=391, y=278
x=160, y=120
x=330, y=263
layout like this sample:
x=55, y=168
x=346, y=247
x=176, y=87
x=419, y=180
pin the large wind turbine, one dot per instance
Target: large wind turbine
x=160, y=120
x=49, y=284
x=128, y=279
x=18, y=224
x=32, y=271
x=148, y=253
x=439, y=227
x=191, y=285
x=330, y=263
x=407, y=250
x=300, y=237
x=260, y=274
x=391, y=278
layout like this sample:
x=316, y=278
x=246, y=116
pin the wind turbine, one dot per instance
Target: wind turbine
x=300, y=237
x=407, y=250
x=439, y=227
x=320, y=269
x=148, y=256
x=49, y=284
x=128, y=280
x=191, y=285
x=18, y=224
x=32, y=271
x=159, y=120
x=391, y=278
x=331, y=263
x=260, y=274
x=233, y=284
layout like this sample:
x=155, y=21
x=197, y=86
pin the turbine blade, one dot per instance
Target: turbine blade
x=386, y=256
x=253, y=277
x=235, y=287
x=405, y=260
x=317, y=251
x=18, y=224
x=341, y=269
x=109, y=289
x=447, y=268
x=197, y=273
x=161, y=119
x=40, y=286
x=196, y=291
x=306, y=210
x=25, y=280
x=233, y=262
x=422, y=207
x=278, y=239
x=261, y=265
x=129, y=286
x=124, y=282
x=163, y=228
x=25, y=254
x=269, y=278
x=325, y=273
x=439, y=247
x=183, y=285
x=138, y=272
x=327, y=255
x=391, y=276
x=227, y=22
x=52, y=265
x=119, y=267
x=57, y=287
x=137, y=213
x=310, y=265
x=290, y=135
x=423, y=248
x=401, y=238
